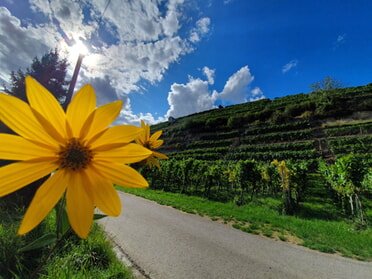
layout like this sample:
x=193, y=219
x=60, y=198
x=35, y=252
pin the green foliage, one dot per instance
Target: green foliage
x=213, y=123
x=307, y=114
x=366, y=183
x=13, y=263
x=221, y=136
x=271, y=155
x=290, y=200
x=236, y=121
x=195, y=124
x=300, y=171
x=86, y=258
x=279, y=137
x=267, y=129
x=294, y=110
x=352, y=129
x=291, y=128
x=365, y=104
x=244, y=177
x=323, y=94
x=209, y=144
x=90, y=258
x=347, y=177
x=327, y=83
x=299, y=146
x=240, y=181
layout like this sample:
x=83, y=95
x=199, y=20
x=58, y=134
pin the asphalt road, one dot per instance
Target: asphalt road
x=168, y=244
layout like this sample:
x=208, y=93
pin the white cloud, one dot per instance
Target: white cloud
x=129, y=64
x=236, y=87
x=26, y=41
x=290, y=65
x=189, y=98
x=257, y=94
x=196, y=96
x=171, y=23
x=130, y=41
x=201, y=29
x=128, y=117
x=209, y=73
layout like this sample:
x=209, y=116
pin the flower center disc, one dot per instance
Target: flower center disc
x=74, y=155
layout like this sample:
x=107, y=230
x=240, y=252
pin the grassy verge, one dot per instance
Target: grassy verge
x=76, y=258
x=262, y=217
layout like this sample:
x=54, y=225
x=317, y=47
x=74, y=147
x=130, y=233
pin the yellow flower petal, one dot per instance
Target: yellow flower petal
x=102, y=118
x=17, y=115
x=156, y=135
x=80, y=207
x=46, y=104
x=17, y=175
x=120, y=174
x=104, y=194
x=143, y=124
x=153, y=161
x=130, y=153
x=117, y=134
x=160, y=155
x=138, y=141
x=82, y=105
x=46, y=197
x=146, y=127
x=156, y=144
x=49, y=127
x=17, y=148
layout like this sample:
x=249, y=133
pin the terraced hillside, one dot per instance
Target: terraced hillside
x=303, y=126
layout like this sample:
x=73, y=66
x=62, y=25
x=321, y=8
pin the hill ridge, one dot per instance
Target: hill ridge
x=301, y=118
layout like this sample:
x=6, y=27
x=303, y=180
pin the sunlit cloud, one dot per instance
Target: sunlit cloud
x=132, y=42
x=209, y=73
x=196, y=95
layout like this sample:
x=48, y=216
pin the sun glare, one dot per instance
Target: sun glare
x=73, y=46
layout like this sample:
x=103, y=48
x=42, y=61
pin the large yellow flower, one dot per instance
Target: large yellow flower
x=84, y=155
x=151, y=142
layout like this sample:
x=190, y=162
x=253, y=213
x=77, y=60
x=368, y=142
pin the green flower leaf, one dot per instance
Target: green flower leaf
x=42, y=241
x=99, y=216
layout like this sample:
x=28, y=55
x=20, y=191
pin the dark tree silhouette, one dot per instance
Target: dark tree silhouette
x=50, y=71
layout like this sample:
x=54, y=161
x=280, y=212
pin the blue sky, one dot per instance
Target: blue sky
x=177, y=57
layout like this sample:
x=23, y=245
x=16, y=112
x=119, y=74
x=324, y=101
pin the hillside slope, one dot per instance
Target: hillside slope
x=302, y=126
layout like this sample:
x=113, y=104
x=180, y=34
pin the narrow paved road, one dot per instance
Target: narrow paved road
x=169, y=244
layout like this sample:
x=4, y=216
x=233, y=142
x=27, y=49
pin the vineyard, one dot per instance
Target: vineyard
x=294, y=148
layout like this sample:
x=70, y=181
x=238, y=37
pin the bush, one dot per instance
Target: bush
x=213, y=123
x=236, y=122
x=195, y=124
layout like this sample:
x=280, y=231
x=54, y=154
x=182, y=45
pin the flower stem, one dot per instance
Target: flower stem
x=43, y=262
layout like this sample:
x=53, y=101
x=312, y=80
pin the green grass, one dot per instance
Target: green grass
x=316, y=227
x=89, y=258
x=75, y=258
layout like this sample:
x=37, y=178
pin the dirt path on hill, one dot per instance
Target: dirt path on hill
x=165, y=243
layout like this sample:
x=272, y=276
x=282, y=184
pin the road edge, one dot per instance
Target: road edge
x=136, y=270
